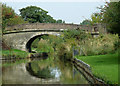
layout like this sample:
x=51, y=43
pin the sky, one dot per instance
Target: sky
x=71, y=12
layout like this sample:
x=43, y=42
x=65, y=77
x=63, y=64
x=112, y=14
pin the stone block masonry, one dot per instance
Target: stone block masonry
x=48, y=26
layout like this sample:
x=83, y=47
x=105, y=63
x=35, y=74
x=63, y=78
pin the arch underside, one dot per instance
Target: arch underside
x=29, y=43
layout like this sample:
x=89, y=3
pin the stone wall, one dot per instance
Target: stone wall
x=86, y=71
x=20, y=40
x=48, y=26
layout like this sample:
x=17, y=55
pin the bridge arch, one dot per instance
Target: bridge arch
x=30, y=41
x=23, y=40
x=35, y=36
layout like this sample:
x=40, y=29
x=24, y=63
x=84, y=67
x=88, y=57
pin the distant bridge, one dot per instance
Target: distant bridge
x=21, y=36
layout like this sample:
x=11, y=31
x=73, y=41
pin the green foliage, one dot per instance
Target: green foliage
x=64, y=52
x=44, y=46
x=9, y=17
x=14, y=52
x=35, y=43
x=117, y=45
x=53, y=41
x=36, y=14
x=56, y=46
x=96, y=18
x=76, y=34
x=7, y=13
x=71, y=39
x=86, y=22
x=16, y=20
x=103, y=44
x=111, y=16
x=37, y=69
x=83, y=43
x=45, y=73
x=60, y=21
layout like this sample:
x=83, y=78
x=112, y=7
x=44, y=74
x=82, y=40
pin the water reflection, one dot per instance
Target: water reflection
x=46, y=71
x=35, y=70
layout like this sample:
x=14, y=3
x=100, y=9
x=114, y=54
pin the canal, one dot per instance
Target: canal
x=35, y=71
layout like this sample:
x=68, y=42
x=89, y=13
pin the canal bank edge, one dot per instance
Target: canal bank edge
x=86, y=71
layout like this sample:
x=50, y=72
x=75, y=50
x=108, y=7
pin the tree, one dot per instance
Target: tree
x=86, y=22
x=75, y=34
x=36, y=14
x=7, y=13
x=49, y=19
x=60, y=21
x=96, y=18
x=111, y=16
x=16, y=20
x=9, y=17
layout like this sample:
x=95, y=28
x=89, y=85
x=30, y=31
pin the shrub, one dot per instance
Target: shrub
x=77, y=34
x=103, y=44
x=35, y=43
x=117, y=45
x=64, y=52
x=43, y=46
x=84, y=43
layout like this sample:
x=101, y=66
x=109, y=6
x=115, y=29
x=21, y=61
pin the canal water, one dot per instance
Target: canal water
x=37, y=71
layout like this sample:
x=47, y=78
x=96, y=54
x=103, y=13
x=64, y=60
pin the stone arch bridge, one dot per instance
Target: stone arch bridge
x=21, y=36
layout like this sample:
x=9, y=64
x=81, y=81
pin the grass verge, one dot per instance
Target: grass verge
x=15, y=52
x=104, y=67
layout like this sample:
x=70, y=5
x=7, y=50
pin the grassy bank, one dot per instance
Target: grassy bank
x=14, y=52
x=104, y=67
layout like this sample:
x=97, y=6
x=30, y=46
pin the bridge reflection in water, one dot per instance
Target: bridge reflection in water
x=42, y=72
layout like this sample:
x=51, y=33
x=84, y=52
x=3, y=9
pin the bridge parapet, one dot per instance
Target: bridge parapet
x=34, y=30
x=48, y=26
x=55, y=26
